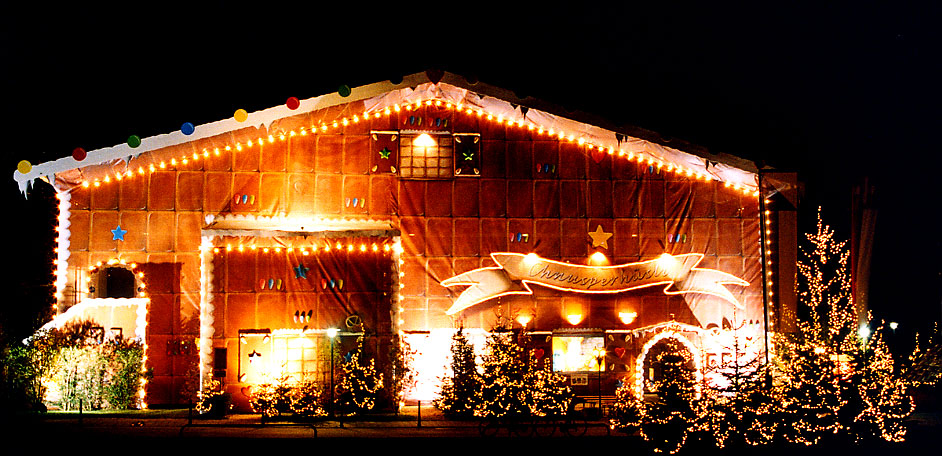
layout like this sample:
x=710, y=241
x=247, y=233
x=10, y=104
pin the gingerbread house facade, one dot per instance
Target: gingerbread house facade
x=402, y=211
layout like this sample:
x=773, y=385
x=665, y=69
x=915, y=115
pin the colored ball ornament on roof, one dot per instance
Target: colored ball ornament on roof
x=79, y=154
x=240, y=115
x=293, y=103
x=24, y=166
x=344, y=90
x=187, y=128
x=134, y=141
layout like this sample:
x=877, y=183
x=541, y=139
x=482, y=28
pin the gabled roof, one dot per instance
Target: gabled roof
x=382, y=98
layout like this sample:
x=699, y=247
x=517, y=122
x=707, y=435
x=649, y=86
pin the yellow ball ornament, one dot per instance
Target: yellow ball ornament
x=240, y=115
x=24, y=166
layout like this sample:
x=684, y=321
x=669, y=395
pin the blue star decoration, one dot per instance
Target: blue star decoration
x=118, y=234
x=300, y=271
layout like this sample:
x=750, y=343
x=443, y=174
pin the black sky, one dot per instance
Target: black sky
x=835, y=92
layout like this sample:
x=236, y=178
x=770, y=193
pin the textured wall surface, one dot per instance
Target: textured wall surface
x=532, y=194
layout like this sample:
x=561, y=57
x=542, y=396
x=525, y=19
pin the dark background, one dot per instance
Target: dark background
x=840, y=93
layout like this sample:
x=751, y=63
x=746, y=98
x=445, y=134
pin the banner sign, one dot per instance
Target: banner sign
x=515, y=271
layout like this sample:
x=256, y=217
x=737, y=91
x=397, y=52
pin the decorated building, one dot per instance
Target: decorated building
x=253, y=247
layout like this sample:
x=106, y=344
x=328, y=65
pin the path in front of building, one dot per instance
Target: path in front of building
x=173, y=429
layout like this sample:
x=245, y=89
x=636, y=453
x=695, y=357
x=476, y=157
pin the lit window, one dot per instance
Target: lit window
x=425, y=156
x=577, y=353
x=295, y=357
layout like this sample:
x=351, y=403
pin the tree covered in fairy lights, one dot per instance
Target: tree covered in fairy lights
x=503, y=387
x=459, y=390
x=665, y=421
x=360, y=382
x=510, y=381
x=549, y=392
x=826, y=383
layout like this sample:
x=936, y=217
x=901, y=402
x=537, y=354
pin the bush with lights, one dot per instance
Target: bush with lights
x=212, y=400
x=74, y=366
x=283, y=397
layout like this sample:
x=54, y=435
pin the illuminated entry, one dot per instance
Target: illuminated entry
x=516, y=271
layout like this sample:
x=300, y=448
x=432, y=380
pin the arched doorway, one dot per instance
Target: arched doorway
x=647, y=368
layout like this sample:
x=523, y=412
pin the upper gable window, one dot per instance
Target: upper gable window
x=113, y=282
x=426, y=156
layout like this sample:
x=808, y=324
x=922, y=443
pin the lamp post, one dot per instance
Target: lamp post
x=599, y=353
x=332, y=333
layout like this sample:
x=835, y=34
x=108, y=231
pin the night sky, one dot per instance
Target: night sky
x=837, y=93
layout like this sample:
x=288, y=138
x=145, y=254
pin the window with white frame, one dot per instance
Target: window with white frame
x=295, y=357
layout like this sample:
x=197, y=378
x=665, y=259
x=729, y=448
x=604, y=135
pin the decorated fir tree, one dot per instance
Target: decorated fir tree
x=402, y=374
x=838, y=382
x=503, y=390
x=668, y=418
x=881, y=402
x=360, y=383
x=810, y=397
x=829, y=319
x=459, y=393
x=549, y=392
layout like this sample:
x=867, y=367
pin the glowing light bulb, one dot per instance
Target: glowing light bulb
x=523, y=319
x=627, y=317
x=424, y=140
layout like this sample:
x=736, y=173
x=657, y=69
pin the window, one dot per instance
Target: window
x=576, y=353
x=113, y=282
x=426, y=156
x=467, y=154
x=295, y=357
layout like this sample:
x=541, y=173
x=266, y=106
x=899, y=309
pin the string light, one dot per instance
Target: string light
x=350, y=247
x=386, y=111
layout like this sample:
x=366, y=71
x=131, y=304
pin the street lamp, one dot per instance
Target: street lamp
x=332, y=333
x=893, y=326
x=599, y=353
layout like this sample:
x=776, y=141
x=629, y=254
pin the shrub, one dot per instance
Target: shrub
x=302, y=399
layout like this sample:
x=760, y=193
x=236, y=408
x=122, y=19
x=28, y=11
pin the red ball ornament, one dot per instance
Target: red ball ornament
x=79, y=154
x=293, y=103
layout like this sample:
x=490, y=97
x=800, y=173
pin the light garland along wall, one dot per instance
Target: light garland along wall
x=537, y=190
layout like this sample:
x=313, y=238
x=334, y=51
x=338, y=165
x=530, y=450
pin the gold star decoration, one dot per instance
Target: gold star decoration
x=599, y=237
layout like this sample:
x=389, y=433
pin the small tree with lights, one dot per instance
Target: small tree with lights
x=403, y=375
x=549, y=392
x=666, y=421
x=503, y=389
x=360, y=383
x=459, y=393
